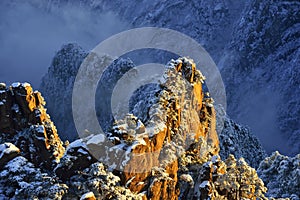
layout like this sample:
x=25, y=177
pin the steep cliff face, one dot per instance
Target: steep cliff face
x=179, y=119
x=25, y=123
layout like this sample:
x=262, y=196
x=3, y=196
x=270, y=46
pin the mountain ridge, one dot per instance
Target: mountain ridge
x=198, y=172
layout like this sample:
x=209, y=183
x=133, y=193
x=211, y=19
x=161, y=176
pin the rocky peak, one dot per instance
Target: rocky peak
x=57, y=86
x=180, y=122
x=25, y=123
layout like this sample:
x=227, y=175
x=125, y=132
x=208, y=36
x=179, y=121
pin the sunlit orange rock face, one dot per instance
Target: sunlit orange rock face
x=181, y=122
x=22, y=109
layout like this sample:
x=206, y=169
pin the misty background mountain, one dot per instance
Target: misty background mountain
x=255, y=44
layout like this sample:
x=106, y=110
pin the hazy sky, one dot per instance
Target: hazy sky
x=30, y=36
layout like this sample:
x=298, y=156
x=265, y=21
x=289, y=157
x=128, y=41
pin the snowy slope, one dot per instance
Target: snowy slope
x=281, y=174
x=261, y=71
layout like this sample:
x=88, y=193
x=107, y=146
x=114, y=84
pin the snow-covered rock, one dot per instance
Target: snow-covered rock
x=8, y=151
x=19, y=179
x=216, y=179
x=88, y=196
x=281, y=175
x=177, y=127
x=75, y=159
x=103, y=184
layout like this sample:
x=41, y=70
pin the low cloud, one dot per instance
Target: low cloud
x=30, y=34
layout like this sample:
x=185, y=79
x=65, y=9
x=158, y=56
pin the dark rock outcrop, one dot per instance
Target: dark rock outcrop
x=75, y=159
x=57, y=87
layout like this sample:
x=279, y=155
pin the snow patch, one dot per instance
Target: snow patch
x=76, y=144
x=8, y=148
x=26, y=84
x=100, y=138
x=16, y=84
x=204, y=184
x=39, y=129
x=15, y=108
x=82, y=151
